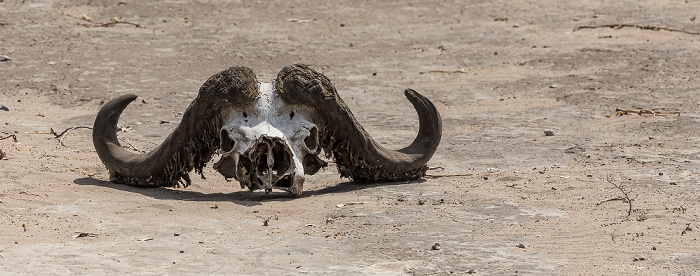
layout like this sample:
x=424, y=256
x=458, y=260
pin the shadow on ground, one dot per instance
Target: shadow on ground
x=243, y=197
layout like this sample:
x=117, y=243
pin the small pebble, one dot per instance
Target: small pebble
x=556, y=85
x=436, y=246
x=548, y=132
x=4, y=58
x=637, y=259
x=520, y=246
x=3, y=107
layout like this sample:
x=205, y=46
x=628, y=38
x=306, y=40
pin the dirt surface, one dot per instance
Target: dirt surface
x=509, y=200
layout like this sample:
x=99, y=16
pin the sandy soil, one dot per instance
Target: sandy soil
x=500, y=72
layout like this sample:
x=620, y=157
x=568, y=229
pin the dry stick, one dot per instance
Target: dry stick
x=643, y=27
x=65, y=132
x=91, y=23
x=653, y=111
x=446, y=175
x=687, y=228
x=14, y=137
x=609, y=199
x=627, y=197
x=130, y=146
x=444, y=72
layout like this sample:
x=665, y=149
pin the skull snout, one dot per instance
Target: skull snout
x=271, y=158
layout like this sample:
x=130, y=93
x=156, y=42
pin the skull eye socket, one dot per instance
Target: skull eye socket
x=311, y=141
x=226, y=142
x=245, y=115
x=291, y=115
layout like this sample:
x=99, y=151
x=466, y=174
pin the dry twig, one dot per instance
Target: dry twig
x=447, y=175
x=14, y=137
x=627, y=197
x=91, y=23
x=643, y=27
x=63, y=134
x=652, y=111
x=609, y=199
x=687, y=228
x=460, y=71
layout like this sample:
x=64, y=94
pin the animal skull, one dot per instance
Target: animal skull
x=270, y=144
x=269, y=134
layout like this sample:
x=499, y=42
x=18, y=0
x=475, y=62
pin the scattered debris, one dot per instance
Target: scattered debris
x=556, y=85
x=436, y=246
x=176, y=234
x=4, y=58
x=610, y=199
x=548, y=132
x=63, y=134
x=643, y=27
x=627, y=197
x=348, y=203
x=2, y=154
x=638, y=259
x=24, y=226
x=145, y=239
x=687, y=229
x=520, y=245
x=91, y=23
x=299, y=20
x=329, y=220
x=84, y=235
x=216, y=206
x=460, y=71
x=652, y=111
x=14, y=137
x=3, y=107
x=82, y=171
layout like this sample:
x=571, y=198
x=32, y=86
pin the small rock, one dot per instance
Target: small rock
x=548, y=132
x=436, y=246
x=2, y=154
x=182, y=251
x=520, y=246
x=176, y=234
x=556, y=85
x=638, y=259
x=4, y=58
x=3, y=107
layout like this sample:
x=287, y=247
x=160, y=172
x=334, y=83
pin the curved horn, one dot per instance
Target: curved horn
x=357, y=155
x=190, y=146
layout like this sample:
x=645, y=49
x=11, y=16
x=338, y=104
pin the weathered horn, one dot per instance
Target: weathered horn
x=190, y=146
x=357, y=155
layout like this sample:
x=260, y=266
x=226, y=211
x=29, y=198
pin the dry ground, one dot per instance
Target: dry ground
x=500, y=72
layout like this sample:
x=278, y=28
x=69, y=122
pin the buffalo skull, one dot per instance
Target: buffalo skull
x=269, y=135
